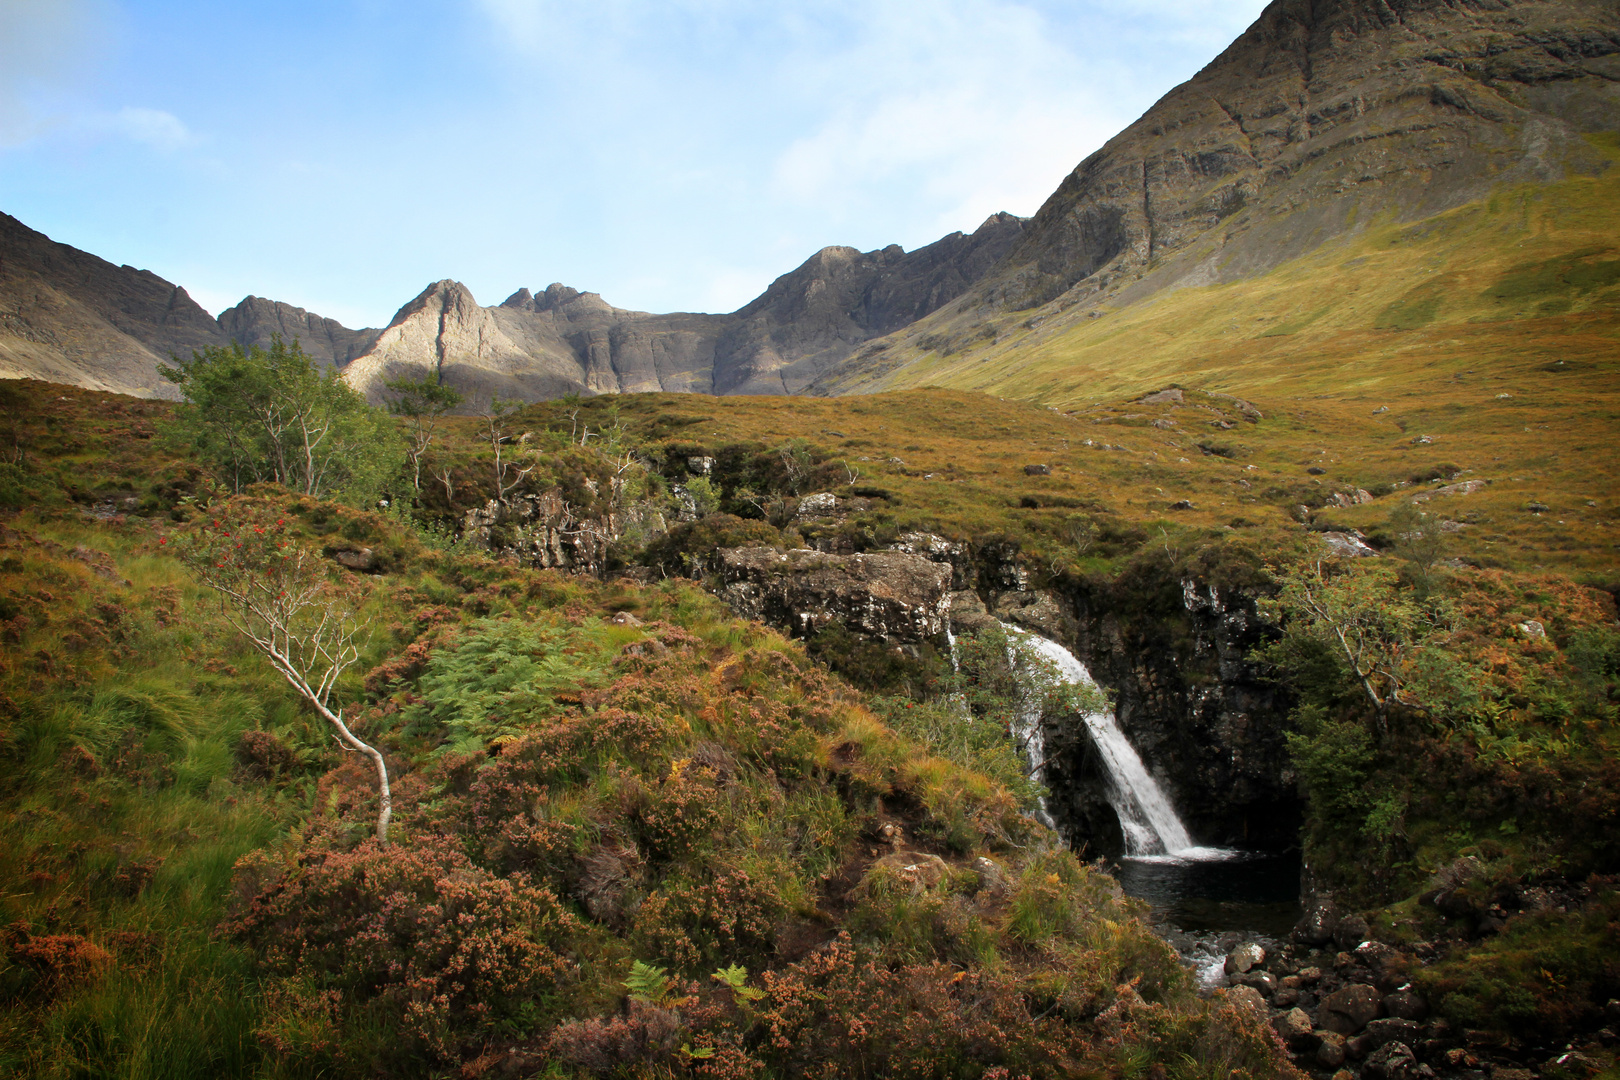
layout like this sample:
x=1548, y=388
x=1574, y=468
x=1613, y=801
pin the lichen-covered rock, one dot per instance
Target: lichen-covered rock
x=884, y=595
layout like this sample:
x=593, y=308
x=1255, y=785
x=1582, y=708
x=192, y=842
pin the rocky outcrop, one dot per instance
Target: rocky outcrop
x=886, y=596
x=256, y=321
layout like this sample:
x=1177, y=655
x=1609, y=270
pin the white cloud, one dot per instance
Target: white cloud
x=150, y=127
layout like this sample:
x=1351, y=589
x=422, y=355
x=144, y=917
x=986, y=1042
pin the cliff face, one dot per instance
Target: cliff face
x=1322, y=118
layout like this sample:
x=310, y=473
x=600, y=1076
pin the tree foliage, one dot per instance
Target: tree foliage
x=272, y=415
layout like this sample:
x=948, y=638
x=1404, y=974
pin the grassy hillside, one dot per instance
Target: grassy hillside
x=633, y=835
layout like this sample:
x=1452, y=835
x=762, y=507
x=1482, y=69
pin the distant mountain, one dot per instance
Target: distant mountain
x=70, y=317
x=1326, y=118
x=255, y=321
x=563, y=340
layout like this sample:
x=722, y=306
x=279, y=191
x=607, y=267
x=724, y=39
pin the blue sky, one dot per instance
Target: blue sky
x=669, y=154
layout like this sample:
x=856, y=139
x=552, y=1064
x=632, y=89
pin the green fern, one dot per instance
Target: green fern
x=649, y=983
x=735, y=978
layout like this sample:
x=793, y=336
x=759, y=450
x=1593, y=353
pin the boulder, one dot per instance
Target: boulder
x=884, y=595
x=1263, y=981
x=1247, y=999
x=361, y=561
x=1380, y=1033
x=1351, y=931
x=1329, y=1049
x=1405, y=1005
x=1294, y=1028
x=1286, y=997
x=1037, y=470
x=1349, y=1010
x=1172, y=396
x=821, y=504
x=1244, y=958
x=1348, y=546
x=1395, y=1061
x=1316, y=928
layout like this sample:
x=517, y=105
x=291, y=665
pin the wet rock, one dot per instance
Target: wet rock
x=1330, y=1052
x=1244, y=958
x=1294, y=1028
x=1509, y=1072
x=1405, y=1005
x=1351, y=931
x=1374, y=954
x=1381, y=1033
x=1316, y=928
x=1263, y=981
x=1395, y=1061
x=885, y=595
x=1349, y=1010
x=1575, y=1062
x=1285, y=998
x=1309, y=976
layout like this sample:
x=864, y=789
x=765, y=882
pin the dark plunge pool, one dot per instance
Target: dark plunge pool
x=1250, y=892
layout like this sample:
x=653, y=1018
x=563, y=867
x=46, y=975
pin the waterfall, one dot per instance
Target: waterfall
x=1148, y=820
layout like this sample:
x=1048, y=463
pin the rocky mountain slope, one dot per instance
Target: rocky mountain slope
x=1321, y=121
x=562, y=340
x=68, y=316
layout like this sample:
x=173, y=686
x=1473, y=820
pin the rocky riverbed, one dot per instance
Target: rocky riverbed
x=1344, y=1005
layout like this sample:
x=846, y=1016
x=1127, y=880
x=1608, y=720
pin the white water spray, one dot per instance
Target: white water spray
x=1149, y=821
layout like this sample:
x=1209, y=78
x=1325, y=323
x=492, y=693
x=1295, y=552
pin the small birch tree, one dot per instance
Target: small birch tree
x=284, y=599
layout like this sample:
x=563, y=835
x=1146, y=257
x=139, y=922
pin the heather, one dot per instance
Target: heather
x=587, y=776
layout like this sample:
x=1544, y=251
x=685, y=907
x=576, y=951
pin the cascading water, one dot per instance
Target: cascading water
x=1146, y=817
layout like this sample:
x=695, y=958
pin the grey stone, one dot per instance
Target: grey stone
x=1037, y=470
x=1393, y=1061
x=1293, y=1027
x=1351, y=931
x=1349, y=1010
x=1406, y=1005
x=1380, y=1033
x=1245, y=957
x=1329, y=1049
x=1248, y=999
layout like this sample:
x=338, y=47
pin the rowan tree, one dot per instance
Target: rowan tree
x=291, y=607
